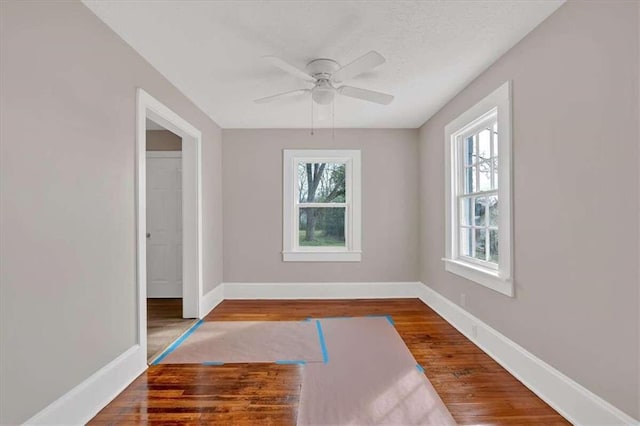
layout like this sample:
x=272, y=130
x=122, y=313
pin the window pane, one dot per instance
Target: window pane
x=484, y=144
x=492, y=202
x=494, y=177
x=303, y=184
x=321, y=226
x=479, y=214
x=480, y=248
x=321, y=182
x=469, y=180
x=466, y=211
x=493, y=248
x=469, y=151
x=466, y=242
x=484, y=175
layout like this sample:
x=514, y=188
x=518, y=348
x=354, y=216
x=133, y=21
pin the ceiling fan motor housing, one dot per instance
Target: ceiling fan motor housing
x=322, y=68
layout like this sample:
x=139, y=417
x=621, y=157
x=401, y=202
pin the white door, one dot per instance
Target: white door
x=164, y=224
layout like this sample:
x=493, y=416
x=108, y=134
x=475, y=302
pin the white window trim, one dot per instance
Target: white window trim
x=352, y=252
x=499, y=279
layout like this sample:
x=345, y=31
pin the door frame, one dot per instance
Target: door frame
x=149, y=107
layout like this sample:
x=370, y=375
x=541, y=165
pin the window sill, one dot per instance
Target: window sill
x=488, y=278
x=325, y=256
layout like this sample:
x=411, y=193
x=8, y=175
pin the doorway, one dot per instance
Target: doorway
x=165, y=322
x=169, y=245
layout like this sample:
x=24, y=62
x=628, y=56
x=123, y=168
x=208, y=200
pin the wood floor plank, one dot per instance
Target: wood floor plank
x=475, y=388
x=164, y=324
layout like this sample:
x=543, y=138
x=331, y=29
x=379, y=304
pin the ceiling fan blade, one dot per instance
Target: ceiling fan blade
x=281, y=95
x=287, y=67
x=364, y=63
x=365, y=95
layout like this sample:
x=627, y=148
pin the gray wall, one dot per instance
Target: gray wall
x=252, y=176
x=163, y=140
x=67, y=111
x=575, y=109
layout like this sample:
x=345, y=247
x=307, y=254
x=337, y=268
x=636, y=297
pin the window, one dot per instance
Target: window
x=321, y=206
x=478, y=189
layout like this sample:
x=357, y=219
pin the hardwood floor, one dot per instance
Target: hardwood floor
x=164, y=324
x=473, y=386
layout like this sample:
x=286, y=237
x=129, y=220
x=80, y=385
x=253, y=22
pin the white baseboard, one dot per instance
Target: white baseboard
x=84, y=401
x=576, y=403
x=358, y=290
x=573, y=401
x=210, y=300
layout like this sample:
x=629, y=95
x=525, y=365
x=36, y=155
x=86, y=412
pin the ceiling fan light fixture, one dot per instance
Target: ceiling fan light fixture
x=323, y=97
x=323, y=92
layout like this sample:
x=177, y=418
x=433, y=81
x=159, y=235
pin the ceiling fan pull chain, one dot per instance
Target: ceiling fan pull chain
x=311, y=116
x=333, y=120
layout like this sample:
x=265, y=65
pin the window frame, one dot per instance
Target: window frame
x=292, y=251
x=498, y=276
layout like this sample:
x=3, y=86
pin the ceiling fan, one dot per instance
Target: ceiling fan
x=326, y=75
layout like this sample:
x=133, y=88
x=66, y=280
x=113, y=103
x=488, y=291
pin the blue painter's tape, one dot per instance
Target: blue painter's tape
x=419, y=368
x=323, y=346
x=291, y=361
x=177, y=343
x=213, y=363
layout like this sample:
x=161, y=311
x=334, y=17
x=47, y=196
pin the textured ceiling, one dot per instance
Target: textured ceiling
x=212, y=51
